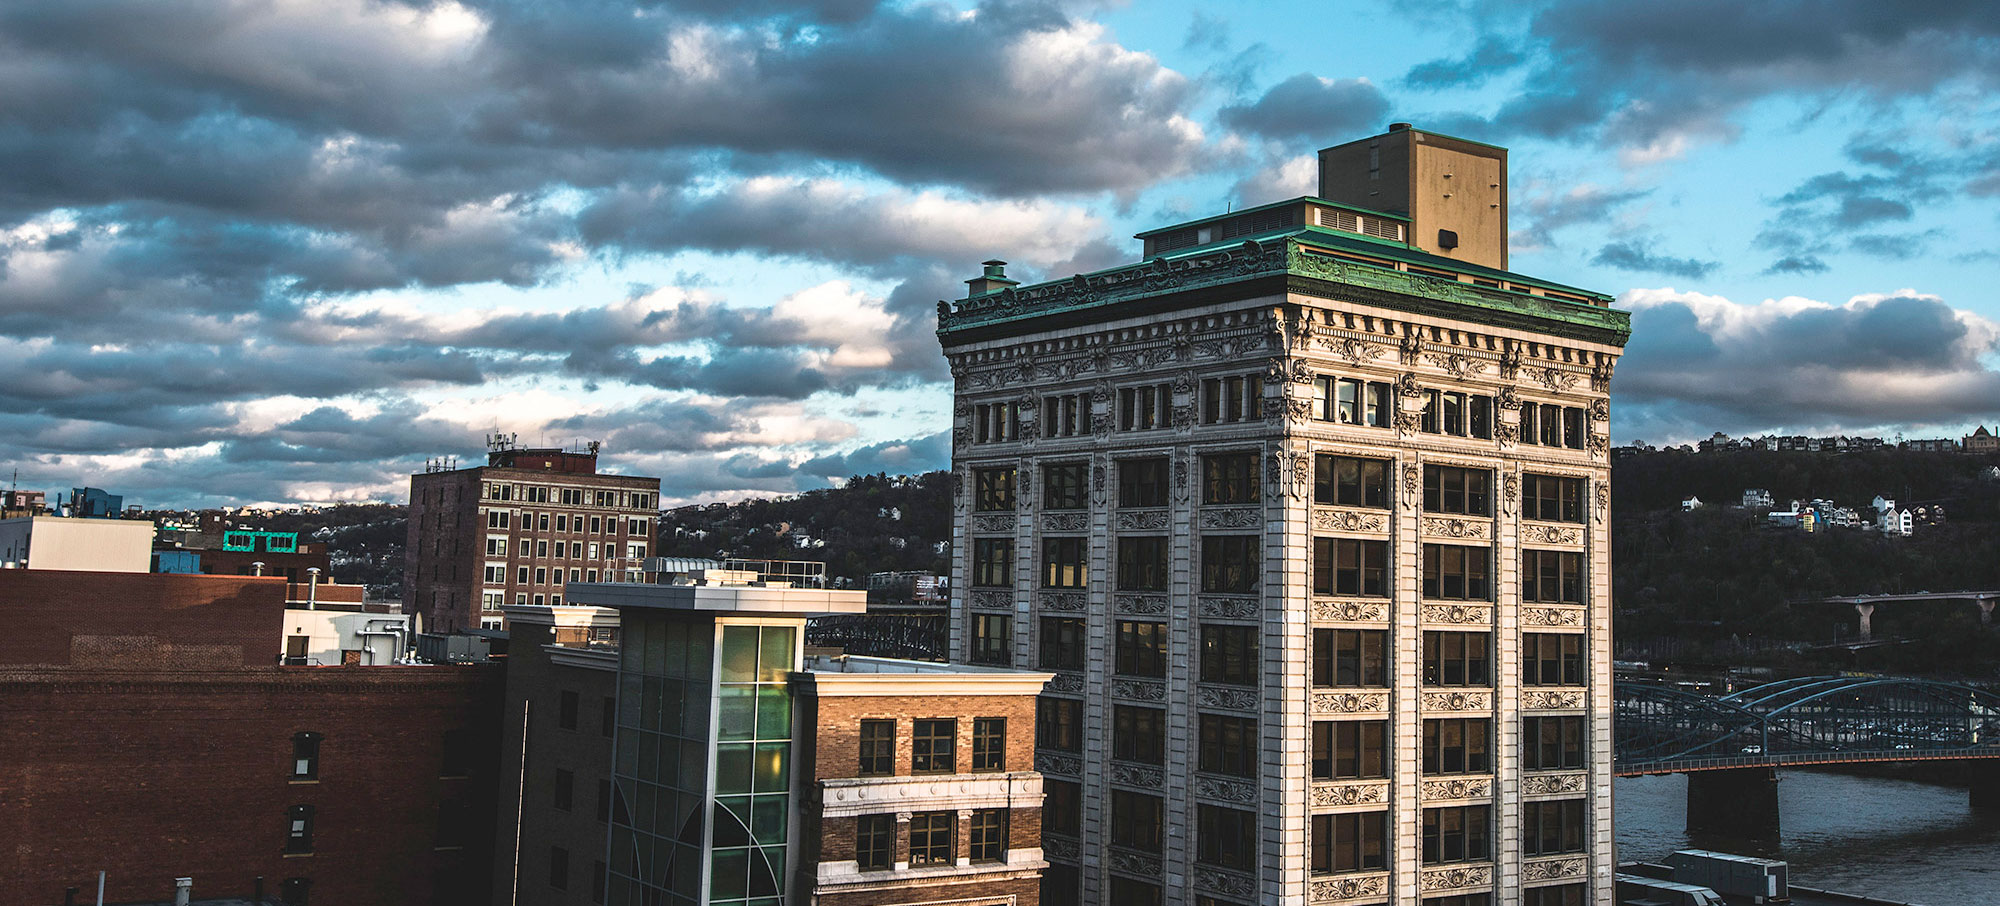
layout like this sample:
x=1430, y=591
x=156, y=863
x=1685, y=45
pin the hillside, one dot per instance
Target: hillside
x=875, y=523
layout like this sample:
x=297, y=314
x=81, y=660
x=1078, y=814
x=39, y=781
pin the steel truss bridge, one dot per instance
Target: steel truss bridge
x=1811, y=720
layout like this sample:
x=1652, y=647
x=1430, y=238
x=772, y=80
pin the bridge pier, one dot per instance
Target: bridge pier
x=1738, y=803
x=1985, y=785
x=1867, y=612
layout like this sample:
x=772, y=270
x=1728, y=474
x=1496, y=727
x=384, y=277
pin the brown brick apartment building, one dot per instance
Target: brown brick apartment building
x=146, y=733
x=517, y=530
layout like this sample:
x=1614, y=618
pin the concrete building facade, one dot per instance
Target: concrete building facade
x=76, y=543
x=1311, y=526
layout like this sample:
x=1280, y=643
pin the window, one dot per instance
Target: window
x=305, y=756
x=989, y=743
x=1062, y=806
x=1353, y=402
x=566, y=707
x=1551, y=659
x=1142, y=482
x=1457, y=659
x=1457, y=745
x=1064, y=487
x=1457, y=834
x=1551, y=743
x=1557, y=895
x=1457, y=414
x=1448, y=489
x=992, y=489
x=496, y=573
x=300, y=837
x=1350, y=749
x=1229, y=654
x=1144, y=408
x=874, y=842
x=1067, y=415
x=1350, y=566
x=930, y=838
x=1127, y=892
x=563, y=795
x=1552, y=577
x=1230, y=563
x=1356, y=841
x=1061, y=884
x=1552, y=827
x=1136, y=820
x=1059, y=724
x=1348, y=481
x=1062, y=643
x=1457, y=573
x=992, y=639
x=607, y=721
x=541, y=548
x=1229, y=478
x=931, y=743
x=1550, y=425
x=1551, y=499
x=521, y=575
x=994, y=423
x=988, y=835
x=1228, y=745
x=1064, y=562
x=1231, y=399
x=1350, y=657
x=1142, y=563
x=1141, y=648
x=878, y=748
x=993, y=562
x=1138, y=734
x=1225, y=837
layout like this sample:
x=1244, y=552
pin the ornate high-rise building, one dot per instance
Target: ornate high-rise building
x=1307, y=515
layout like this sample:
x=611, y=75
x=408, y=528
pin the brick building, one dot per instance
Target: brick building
x=517, y=530
x=146, y=732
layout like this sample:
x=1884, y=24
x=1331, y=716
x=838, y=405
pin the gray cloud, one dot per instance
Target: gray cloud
x=1305, y=109
x=1633, y=255
x=1492, y=57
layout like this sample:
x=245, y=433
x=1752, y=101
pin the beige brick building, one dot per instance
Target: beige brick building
x=1307, y=515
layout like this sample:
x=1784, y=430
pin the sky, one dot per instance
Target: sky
x=285, y=251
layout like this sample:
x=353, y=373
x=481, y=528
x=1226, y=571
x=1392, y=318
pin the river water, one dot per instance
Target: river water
x=1893, y=839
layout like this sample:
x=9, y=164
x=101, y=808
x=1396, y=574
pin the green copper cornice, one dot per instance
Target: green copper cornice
x=1252, y=267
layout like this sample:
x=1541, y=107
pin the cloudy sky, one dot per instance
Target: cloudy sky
x=283, y=250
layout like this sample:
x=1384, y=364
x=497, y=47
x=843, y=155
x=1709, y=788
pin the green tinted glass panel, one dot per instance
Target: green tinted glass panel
x=732, y=821
x=736, y=714
x=765, y=866
x=671, y=692
x=775, y=660
x=772, y=762
x=739, y=654
x=732, y=768
x=730, y=874
x=649, y=703
x=649, y=754
x=768, y=819
x=693, y=773
x=686, y=879
x=774, y=712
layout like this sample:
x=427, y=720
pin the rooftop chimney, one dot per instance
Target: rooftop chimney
x=993, y=280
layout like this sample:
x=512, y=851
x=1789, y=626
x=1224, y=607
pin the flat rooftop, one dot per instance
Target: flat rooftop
x=778, y=600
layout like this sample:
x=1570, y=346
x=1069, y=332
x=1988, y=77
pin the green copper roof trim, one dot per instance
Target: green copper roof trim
x=1280, y=257
x=1289, y=202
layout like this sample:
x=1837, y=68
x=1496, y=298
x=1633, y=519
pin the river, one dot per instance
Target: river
x=1893, y=839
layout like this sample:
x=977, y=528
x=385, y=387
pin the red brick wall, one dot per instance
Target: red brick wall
x=125, y=621
x=156, y=775
x=1027, y=892
x=838, y=752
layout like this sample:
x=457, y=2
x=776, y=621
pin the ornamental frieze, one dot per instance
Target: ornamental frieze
x=1552, y=869
x=993, y=523
x=1234, y=517
x=1224, y=790
x=1329, y=795
x=1140, y=864
x=1413, y=479
x=1349, y=888
x=1458, y=614
x=1551, y=616
x=1458, y=788
x=1510, y=493
x=1065, y=522
x=1455, y=878
x=1355, y=351
x=992, y=599
x=1058, y=847
x=1349, y=702
x=1535, y=783
x=1141, y=520
x=1136, y=775
x=1290, y=474
x=1457, y=528
x=1457, y=701
x=1550, y=534
x=1064, y=601
x=1064, y=681
x=1232, y=699
x=1349, y=611
x=1058, y=763
x=1458, y=365
x=1552, y=700
x=1325, y=520
x=1227, y=608
x=1142, y=605
x=1227, y=883
x=1557, y=380
x=1139, y=690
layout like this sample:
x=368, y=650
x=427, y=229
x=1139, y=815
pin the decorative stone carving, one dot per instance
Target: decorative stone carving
x=1596, y=444
x=1550, y=534
x=1141, y=520
x=1183, y=418
x=993, y=523
x=1455, y=878
x=1509, y=399
x=1065, y=522
x=1227, y=883
x=1600, y=374
x=1349, y=611
x=1356, y=352
x=1408, y=422
x=1506, y=432
x=1298, y=410
x=1552, y=869
x=1326, y=520
x=1460, y=366
x=1101, y=392
x=1555, y=379
x=1349, y=702
x=1481, y=614
x=1024, y=487
x=1029, y=430
x=1058, y=763
x=1600, y=410
x=1227, y=608
x=1458, y=788
x=1457, y=701
x=1349, y=888
x=1139, y=690
x=1066, y=682
x=1601, y=498
x=1181, y=485
x=1224, y=789
x=1336, y=794
x=1408, y=388
x=1058, y=847
x=1183, y=382
x=1234, y=517
x=1510, y=493
x=1142, y=605
x=1222, y=697
x=1140, y=864
x=1413, y=484
x=1412, y=346
x=1063, y=601
x=1290, y=473
x=992, y=599
x=1457, y=528
x=1100, y=424
x=1510, y=362
x=1551, y=616
x=1536, y=783
x=1135, y=775
x=1552, y=700
x=958, y=490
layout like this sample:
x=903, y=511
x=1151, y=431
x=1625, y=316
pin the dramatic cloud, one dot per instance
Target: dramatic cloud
x=1487, y=60
x=1306, y=110
x=1634, y=255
